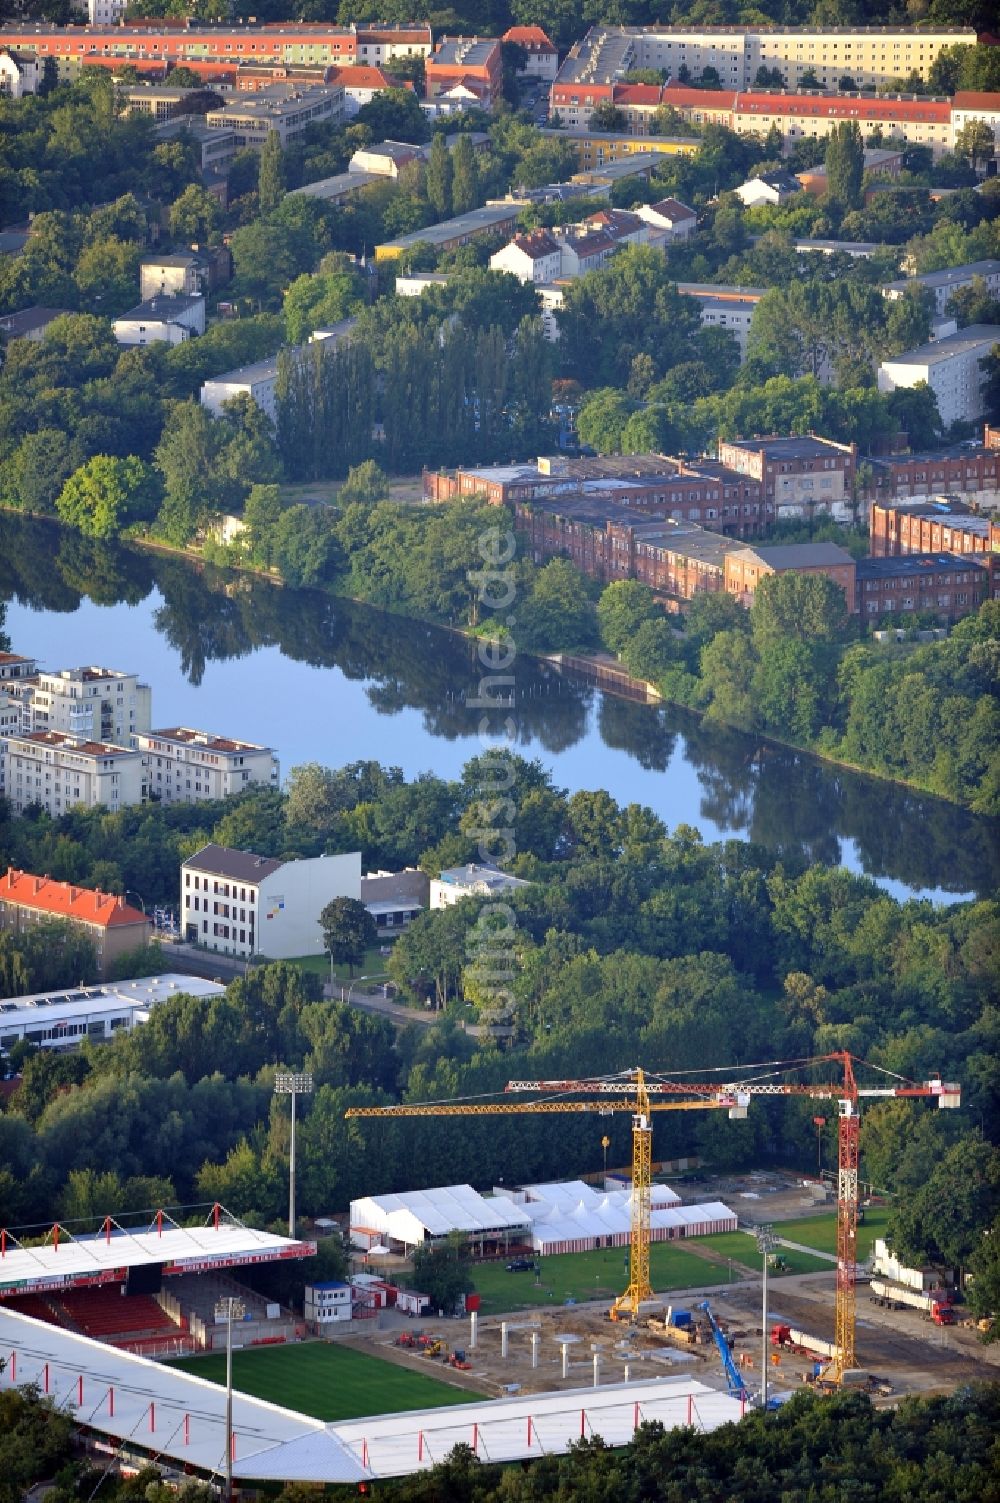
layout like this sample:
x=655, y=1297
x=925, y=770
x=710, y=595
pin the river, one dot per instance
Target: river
x=326, y=680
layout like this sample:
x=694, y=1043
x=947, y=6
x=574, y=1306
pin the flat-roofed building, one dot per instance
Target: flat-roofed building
x=96, y=704
x=951, y=367
x=394, y=899
x=339, y=188
x=724, y=307
x=801, y=475
x=239, y=903
x=950, y=586
x=159, y=101
x=258, y=381
x=57, y=771
x=450, y=233
x=942, y=285
x=185, y=765
x=472, y=881
x=13, y=665
x=936, y=525
x=280, y=109
x=64, y=1018
x=968, y=471
x=112, y=925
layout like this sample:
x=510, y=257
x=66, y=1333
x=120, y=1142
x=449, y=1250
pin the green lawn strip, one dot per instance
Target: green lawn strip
x=743, y=1249
x=374, y=965
x=821, y=1231
x=328, y=1381
x=586, y=1276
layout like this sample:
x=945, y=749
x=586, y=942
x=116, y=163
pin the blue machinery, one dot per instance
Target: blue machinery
x=734, y=1377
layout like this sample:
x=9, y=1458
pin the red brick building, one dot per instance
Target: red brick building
x=798, y=475
x=746, y=567
x=109, y=922
x=957, y=471
x=939, y=526
x=950, y=587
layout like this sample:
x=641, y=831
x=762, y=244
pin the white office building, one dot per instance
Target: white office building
x=59, y=771
x=186, y=765
x=951, y=367
x=242, y=904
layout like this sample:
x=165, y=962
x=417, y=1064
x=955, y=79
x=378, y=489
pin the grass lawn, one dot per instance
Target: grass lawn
x=319, y=965
x=743, y=1249
x=590, y=1275
x=821, y=1231
x=328, y=1381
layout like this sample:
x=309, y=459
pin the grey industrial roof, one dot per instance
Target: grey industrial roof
x=162, y=307
x=800, y=555
x=918, y=563
x=949, y=276
x=448, y=229
x=238, y=866
x=795, y=446
x=339, y=184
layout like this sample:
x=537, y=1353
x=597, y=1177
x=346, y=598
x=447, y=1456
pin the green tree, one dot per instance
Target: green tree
x=38, y=469
x=271, y=180
x=439, y=177
x=326, y=297
x=194, y=215
x=624, y=606
x=984, y=1291
x=976, y=142
x=366, y=483
x=557, y=613
x=442, y=1271
x=797, y=607
x=465, y=190
x=105, y=495
x=348, y=931
x=608, y=117
x=728, y=665
x=261, y=514
x=845, y=164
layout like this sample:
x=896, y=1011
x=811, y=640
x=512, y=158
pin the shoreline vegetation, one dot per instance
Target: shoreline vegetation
x=633, y=635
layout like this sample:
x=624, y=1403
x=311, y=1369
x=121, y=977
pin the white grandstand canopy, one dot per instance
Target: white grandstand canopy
x=106, y=1258
x=175, y=1417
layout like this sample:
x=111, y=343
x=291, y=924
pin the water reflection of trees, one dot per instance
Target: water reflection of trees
x=768, y=794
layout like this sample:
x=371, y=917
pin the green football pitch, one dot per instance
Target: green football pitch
x=328, y=1381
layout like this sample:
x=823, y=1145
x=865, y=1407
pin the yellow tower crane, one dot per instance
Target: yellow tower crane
x=630, y=1091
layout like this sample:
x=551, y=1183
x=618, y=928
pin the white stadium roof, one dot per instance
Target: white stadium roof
x=180, y=1418
x=25, y=1270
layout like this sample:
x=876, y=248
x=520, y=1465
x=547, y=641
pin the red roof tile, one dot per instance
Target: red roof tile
x=972, y=99
x=62, y=900
x=532, y=38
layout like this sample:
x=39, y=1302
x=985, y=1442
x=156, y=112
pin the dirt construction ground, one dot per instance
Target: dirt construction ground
x=912, y=1355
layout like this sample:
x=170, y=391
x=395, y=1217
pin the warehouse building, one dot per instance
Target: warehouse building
x=63, y=1019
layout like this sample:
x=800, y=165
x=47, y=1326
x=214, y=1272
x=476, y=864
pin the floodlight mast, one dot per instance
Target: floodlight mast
x=292, y=1083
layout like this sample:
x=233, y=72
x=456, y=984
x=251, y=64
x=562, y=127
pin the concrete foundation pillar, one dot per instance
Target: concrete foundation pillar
x=503, y=1339
x=473, y=1330
x=535, y=1339
x=565, y=1359
x=597, y=1369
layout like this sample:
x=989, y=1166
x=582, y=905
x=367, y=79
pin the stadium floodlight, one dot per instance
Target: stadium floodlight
x=292, y=1083
x=229, y=1308
x=766, y=1243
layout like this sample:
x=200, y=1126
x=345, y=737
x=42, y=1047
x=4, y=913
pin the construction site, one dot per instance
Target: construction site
x=851, y=1319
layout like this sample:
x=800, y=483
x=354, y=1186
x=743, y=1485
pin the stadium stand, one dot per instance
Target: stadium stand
x=109, y=1316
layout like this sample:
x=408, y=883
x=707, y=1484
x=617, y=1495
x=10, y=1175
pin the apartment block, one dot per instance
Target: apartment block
x=724, y=307
x=167, y=318
x=942, y=285
x=866, y=54
x=800, y=476
x=20, y=72
x=94, y=704
x=114, y=927
x=533, y=256
x=239, y=903
x=951, y=367
x=465, y=65
x=541, y=54
x=14, y=666
x=58, y=771
x=185, y=765
x=451, y=233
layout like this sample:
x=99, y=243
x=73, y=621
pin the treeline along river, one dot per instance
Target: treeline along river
x=322, y=679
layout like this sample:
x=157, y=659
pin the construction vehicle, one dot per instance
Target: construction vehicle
x=791, y=1340
x=457, y=1359
x=735, y=1094
x=933, y=1304
x=734, y=1378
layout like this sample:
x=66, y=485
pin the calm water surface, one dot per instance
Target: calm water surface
x=325, y=680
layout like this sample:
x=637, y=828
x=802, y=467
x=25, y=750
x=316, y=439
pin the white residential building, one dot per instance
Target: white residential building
x=104, y=12
x=671, y=215
x=541, y=54
x=551, y=295
x=241, y=904
x=185, y=765
x=14, y=666
x=942, y=285
x=952, y=369
x=97, y=704
x=531, y=257
x=20, y=73
x=769, y=188
x=259, y=381
x=968, y=106
x=724, y=307
x=59, y=771
x=386, y=159
x=167, y=318
x=471, y=881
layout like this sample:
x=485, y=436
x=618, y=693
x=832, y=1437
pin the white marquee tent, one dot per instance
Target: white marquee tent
x=574, y=1217
x=409, y=1220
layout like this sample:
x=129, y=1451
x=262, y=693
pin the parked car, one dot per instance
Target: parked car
x=521, y=1265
